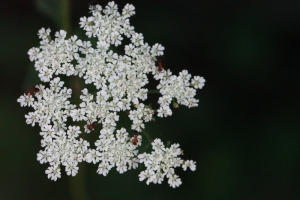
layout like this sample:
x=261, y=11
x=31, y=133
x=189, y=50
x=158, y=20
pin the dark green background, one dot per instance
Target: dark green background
x=245, y=134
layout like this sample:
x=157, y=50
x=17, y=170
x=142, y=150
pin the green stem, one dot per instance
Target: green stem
x=153, y=91
x=66, y=16
x=77, y=183
x=147, y=135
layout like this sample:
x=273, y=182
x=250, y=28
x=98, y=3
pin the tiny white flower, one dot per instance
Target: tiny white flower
x=93, y=156
x=157, y=50
x=104, y=168
x=42, y=157
x=198, y=82
x=34, y=54
x=158, y=145
x=174, y=181
x=53, y=172
x=147, y=174
x=128, y=10
x=164, y=111
x=73, y=131
x=137, y=39
x=43, y=33
x=26, y=100
x=72, y=169
x=189, y=163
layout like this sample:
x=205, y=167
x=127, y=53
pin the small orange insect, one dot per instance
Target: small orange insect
x=159, y=63
x=32, y=91
x=135, y=138
x=92, y=126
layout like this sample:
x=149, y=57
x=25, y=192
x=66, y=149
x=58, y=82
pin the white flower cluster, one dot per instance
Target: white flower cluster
x=161, y=162
x=120, y=81
x=114, y=151
x=62, y=148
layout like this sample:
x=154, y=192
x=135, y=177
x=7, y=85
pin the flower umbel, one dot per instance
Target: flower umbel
x=120, y=82
x=162, y=162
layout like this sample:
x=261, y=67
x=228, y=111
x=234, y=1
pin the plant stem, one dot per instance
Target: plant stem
x=77, y=183
x=147, y=135
x=153, y=91
x=66, y=16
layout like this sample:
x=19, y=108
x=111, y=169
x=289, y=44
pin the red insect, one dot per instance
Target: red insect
x=32, y=91
x=92, y=126
x=135, y=138
x=159, y=64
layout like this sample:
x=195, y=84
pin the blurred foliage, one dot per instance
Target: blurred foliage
x=245, y=133
x=51, y=9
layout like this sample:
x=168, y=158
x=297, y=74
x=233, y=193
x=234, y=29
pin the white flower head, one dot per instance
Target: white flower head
x=161, y=163
x=115, y=84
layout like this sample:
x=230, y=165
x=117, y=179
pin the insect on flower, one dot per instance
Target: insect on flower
x=135, y=138
x=159, y=64
x=92, y=126
x=32, y=91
